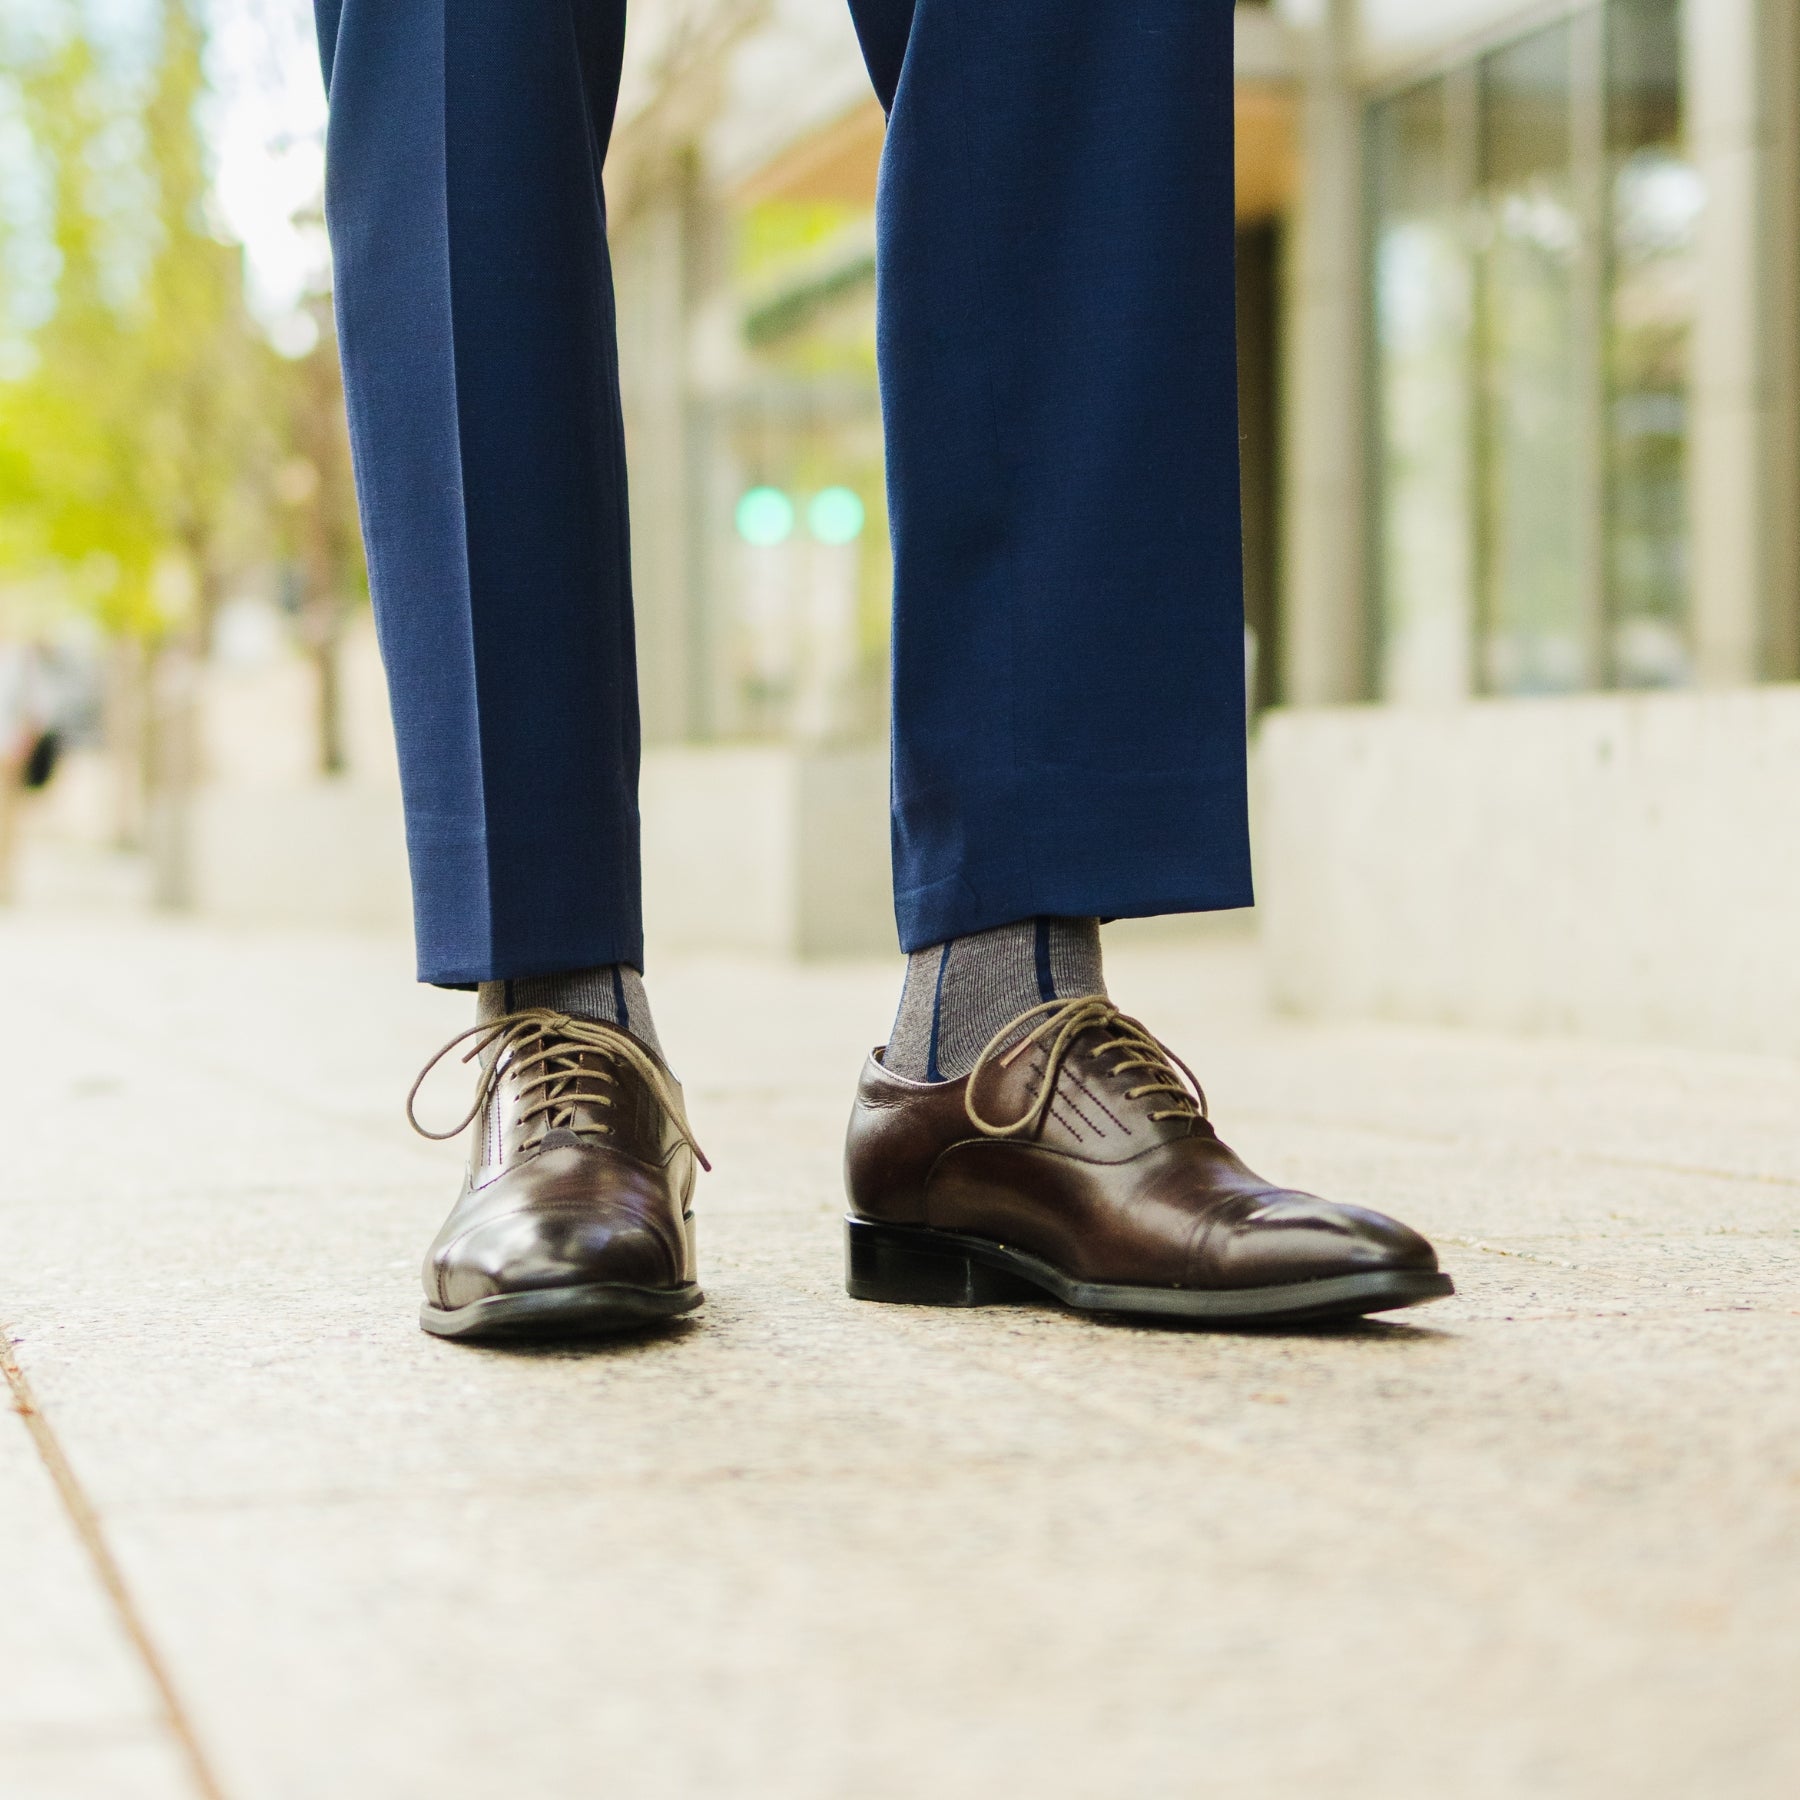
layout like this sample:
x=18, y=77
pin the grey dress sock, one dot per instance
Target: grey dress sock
x=957, y=995
x=613, y=993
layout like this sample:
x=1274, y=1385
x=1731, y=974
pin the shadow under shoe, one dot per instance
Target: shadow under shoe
x=575, y=1219
x=1076, y=1161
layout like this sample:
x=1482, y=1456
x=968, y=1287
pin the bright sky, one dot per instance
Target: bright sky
x=267, y=127
x=266, y=124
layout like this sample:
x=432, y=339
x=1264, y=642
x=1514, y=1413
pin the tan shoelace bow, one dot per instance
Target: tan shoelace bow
x=542, y=1051
x=1126, y=1043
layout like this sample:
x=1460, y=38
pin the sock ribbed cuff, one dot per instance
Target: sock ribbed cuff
x=613, y=993
x=958, y=995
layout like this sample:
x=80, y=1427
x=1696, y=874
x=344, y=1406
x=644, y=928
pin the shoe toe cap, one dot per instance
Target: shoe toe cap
x=1291, y=1237
x=528, y=1252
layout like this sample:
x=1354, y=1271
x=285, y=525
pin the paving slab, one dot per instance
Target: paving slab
x=1536, y=1540
x=79, y=1714
x=90, y=1768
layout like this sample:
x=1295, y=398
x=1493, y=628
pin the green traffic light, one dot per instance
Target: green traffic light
x=835, y=516
x=765, y=517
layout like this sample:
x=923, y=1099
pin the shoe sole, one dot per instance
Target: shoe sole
x=913, y=1265
x=597, y=1310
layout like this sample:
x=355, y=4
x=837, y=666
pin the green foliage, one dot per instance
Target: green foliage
x=774, y=235
x=141, y=442
x=66, y=499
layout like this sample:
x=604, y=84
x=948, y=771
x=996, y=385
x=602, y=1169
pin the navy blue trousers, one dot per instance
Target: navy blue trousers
x=1055, y=298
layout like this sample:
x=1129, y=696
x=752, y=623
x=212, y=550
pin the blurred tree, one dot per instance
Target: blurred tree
x=323, y=544
x=153, y=445
x=71, y=501
x=203, y=369
x=199, y=390
x=75, y=523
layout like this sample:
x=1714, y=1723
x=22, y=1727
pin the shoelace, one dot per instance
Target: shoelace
x=1126, y=1043
x=542, y=1050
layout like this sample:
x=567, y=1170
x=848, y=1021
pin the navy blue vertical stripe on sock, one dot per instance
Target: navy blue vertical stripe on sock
x=509, y=999
x=1045, y=978
x=937, y=1014
x=619, y=1002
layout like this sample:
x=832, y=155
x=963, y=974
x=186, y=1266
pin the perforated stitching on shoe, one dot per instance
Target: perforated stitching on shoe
x=1061, y=1023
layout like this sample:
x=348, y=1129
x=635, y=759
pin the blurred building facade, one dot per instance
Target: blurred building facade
x=1520, y=349
x=1519, y=303
x=1540, y=608
x=742, y=181
x=1520, y=341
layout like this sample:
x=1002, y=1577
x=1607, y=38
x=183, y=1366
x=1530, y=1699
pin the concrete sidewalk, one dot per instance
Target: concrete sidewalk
x=1543, y=1540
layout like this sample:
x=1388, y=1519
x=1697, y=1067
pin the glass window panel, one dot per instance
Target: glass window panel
x=1657, y=197
x=1423, y=297
x=1529, y=437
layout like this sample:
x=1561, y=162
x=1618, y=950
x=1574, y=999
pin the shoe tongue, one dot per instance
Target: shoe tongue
x=1095, y=1039
x=561, y=1138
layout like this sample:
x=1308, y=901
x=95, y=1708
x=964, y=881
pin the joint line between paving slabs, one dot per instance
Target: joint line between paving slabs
x=86, y=1523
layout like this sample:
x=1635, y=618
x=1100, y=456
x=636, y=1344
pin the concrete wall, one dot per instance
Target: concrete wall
x=1741, y=73
x=1625, y=866
x=1323, y=638
x=272, y=841
x=767, y=848
x=746, y=847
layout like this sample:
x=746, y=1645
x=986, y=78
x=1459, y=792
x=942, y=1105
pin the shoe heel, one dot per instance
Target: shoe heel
x=882, y=1264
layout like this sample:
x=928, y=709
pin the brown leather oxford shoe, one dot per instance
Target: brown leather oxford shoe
x=1076, y=1160
x=574, y=1219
